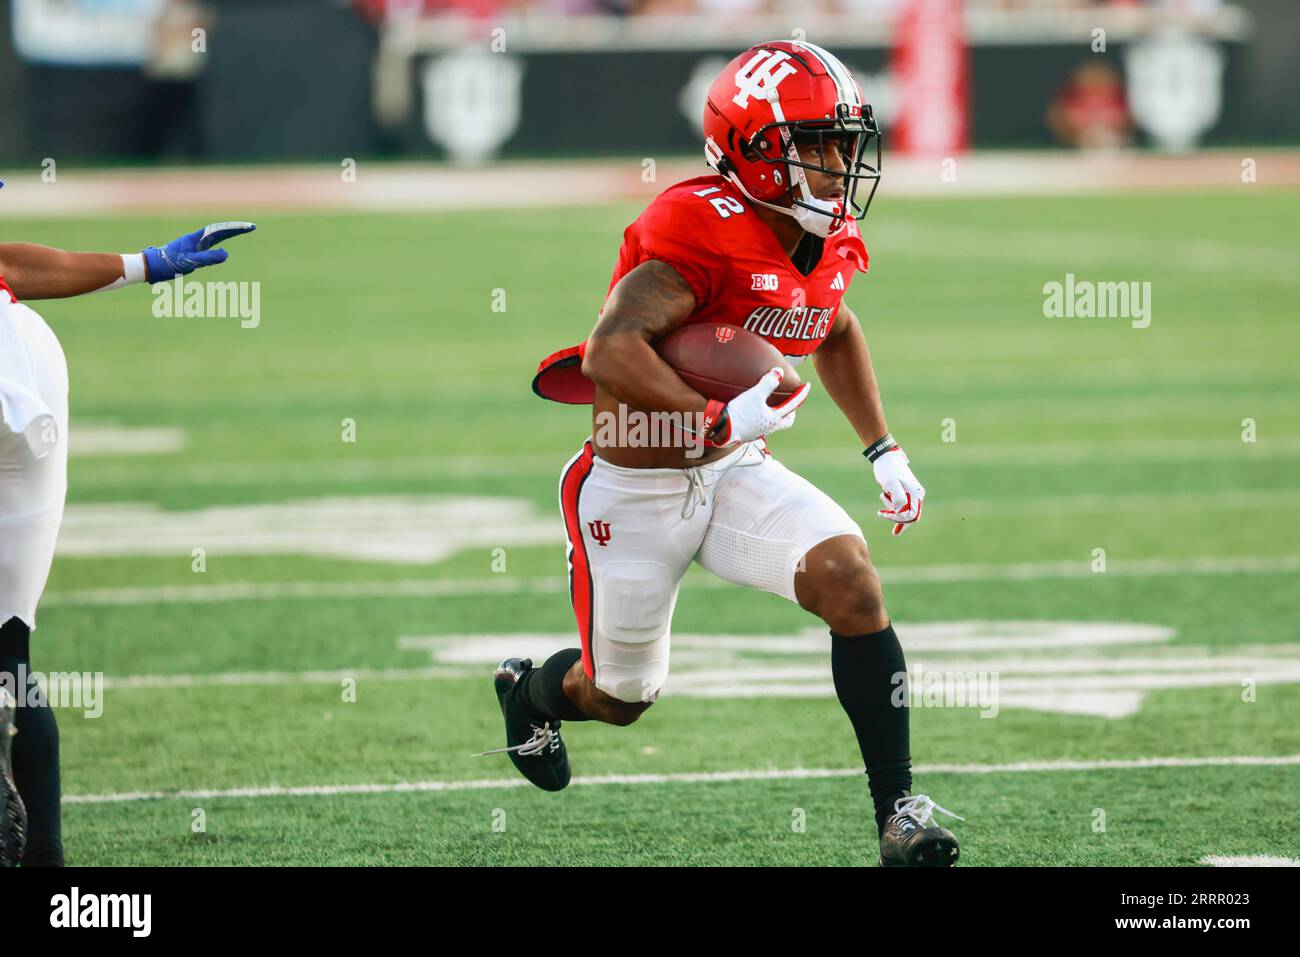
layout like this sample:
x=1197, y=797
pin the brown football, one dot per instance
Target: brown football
x=720, y=361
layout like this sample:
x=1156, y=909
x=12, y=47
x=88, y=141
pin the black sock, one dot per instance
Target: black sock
x=35, y=751
x=543, y=688
x=865, y=669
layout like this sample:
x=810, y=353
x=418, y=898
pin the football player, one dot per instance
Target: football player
x=768, y=243
x=33, y=485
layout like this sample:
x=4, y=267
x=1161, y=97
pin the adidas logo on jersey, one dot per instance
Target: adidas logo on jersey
x=838, y=282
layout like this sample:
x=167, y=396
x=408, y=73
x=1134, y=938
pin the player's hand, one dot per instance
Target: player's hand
x=749, y=416
x=180, y=257
x=903, y=494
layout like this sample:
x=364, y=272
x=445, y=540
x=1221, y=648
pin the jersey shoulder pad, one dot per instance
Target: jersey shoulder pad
x=683, y=229
x=694, y=209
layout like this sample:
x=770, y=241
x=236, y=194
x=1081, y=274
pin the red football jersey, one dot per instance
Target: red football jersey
x=736, y=267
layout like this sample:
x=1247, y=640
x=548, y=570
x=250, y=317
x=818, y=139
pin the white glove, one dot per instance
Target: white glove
x=903, y=494
x=749, y=416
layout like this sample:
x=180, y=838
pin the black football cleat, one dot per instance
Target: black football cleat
x=911, y=840
x=13, y=815
x=535, y=748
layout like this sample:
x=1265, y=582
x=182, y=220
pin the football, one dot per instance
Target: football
x=721, y=361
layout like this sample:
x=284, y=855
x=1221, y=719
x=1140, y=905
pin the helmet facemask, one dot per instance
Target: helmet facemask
x=777, y=145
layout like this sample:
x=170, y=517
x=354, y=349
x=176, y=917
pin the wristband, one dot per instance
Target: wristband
x=133, y=267
x=132, y=271
x=880, y=447
x=715, y=417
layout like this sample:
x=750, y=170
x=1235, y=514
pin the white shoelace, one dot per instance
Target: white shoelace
x=695, y=494
x=696, y=490
x=921, y=808
x=543, y=737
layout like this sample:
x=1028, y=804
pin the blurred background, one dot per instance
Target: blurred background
x=353, y=482
x=473, y=80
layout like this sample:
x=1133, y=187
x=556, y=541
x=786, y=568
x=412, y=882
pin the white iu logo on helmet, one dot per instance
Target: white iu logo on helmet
x=763, y=73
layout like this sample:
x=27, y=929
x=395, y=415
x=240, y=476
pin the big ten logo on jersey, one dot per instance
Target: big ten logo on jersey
x=798, y=322
x=727, y=206
x=761, y=75
x=764, y=281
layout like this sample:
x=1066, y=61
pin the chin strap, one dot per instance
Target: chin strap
x=818, y=216
x=824, y=219
x=821, y=217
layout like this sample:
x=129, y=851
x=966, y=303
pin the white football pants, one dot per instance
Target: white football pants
x=33, y=455
x=632, y=533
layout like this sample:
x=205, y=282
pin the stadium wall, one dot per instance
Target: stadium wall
x=306, y=79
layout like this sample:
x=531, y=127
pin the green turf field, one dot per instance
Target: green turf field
x=375, y=572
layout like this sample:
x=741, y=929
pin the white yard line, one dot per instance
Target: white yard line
x=1169, y=673
x=226, y=474
x=1255, y=860
x=499, y=585
x=87, y=439
x=242, y=678
x=276, y=591
x=703, y=777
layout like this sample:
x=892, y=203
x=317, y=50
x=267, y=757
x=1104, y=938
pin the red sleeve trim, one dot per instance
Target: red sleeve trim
x=853, y=248
x=5, y=286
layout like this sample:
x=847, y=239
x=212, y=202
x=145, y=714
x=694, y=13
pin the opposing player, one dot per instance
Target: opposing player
x=769, y=243
x=33, y=484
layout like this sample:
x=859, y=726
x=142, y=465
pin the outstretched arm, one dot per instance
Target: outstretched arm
x=41, y=272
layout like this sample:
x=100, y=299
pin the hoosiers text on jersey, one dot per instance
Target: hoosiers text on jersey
x=737, y=270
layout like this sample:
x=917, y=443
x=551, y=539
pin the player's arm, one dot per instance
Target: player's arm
x=843, y=362
x=648, y=303
x=41, y=272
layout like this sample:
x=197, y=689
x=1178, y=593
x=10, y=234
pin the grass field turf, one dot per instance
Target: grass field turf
x=1072, y=435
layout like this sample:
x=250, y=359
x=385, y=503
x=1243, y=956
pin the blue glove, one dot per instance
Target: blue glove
x=180, y=257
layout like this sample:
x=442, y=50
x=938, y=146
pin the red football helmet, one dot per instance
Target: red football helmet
x=773, y=97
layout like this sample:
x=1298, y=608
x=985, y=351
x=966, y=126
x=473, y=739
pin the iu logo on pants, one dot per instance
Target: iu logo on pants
x=600, y=532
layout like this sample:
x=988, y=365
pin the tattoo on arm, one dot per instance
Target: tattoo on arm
x=650, y=301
